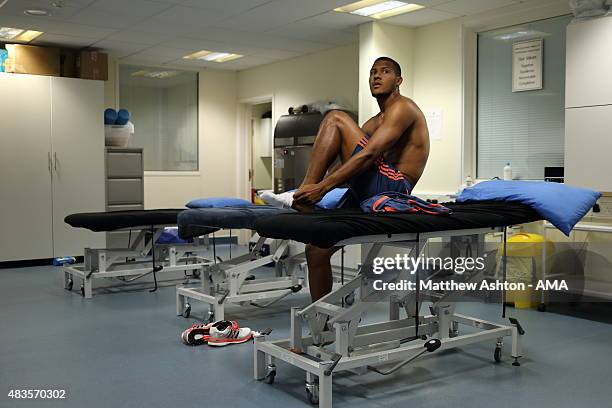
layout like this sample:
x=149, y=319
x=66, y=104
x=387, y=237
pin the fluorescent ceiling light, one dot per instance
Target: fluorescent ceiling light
x=378, y=8
x=17, y=34
x=213, y=56
x=29, y=35
x=8, y=33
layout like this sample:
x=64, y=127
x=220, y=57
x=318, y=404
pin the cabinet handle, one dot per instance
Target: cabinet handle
x=55, y=161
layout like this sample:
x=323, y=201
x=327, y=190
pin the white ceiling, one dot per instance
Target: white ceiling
x=160, y=32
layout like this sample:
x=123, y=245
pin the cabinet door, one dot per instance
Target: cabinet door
x=25, y=175
x=588, y=63
x=78, y=160
x=588, y=143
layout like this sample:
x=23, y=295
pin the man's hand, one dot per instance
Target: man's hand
x=310, y=194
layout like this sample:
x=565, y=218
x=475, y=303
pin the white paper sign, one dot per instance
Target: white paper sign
x=434, y=123
x=527, y=65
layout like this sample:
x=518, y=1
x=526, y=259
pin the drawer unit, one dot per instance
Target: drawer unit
x=123, y=164
x=123, y=191
x=124, y=188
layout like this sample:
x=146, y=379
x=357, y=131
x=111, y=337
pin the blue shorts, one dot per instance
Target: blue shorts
x=379, y=178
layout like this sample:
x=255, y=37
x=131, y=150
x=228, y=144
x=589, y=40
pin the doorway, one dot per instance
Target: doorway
x=261, y=135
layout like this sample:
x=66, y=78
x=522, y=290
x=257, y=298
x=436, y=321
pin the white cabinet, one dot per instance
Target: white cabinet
x=51, y=164
x=588, y=101
x=77, y=138
x=25, y=168
x=588, y=65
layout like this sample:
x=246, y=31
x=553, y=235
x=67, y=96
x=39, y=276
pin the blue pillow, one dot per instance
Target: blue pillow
x=332, y=199
x=558, y=203
x=213, y=202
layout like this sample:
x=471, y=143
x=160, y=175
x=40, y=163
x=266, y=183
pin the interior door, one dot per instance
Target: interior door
x=78, y=161
x=25, y=173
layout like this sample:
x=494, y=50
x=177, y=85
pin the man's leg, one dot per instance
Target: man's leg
x=319, y=270
x=338, y=135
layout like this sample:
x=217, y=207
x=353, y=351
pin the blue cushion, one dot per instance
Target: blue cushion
x=123, y=117
x=110, y=116
x=332, y=199
x=558, y=203
x=214, y=202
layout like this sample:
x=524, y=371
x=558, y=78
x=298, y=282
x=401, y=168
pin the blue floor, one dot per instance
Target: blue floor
x=123, y=350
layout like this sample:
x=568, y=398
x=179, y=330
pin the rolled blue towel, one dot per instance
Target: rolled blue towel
x=110, y=116
x=123, y=117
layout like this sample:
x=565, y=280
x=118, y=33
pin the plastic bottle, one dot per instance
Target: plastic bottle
x=64, y=260
x=507, y=172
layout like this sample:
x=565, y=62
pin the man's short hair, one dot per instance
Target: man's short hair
x=396, y=67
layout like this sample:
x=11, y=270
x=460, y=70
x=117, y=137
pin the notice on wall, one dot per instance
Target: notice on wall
x=527, y=65
x=434, y=123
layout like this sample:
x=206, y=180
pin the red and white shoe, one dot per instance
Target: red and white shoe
x=196, y=335
x=225, y=332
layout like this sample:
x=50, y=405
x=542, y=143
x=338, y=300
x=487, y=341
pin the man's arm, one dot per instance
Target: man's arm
x=396, y=120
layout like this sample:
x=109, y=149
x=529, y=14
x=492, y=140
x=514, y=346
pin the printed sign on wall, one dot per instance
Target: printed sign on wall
x=527, y=65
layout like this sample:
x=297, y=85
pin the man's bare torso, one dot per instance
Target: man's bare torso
x=409, y=154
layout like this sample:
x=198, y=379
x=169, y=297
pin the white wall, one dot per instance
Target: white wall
x=438, y=85
x=323, y=75
x=378, y=40
x=430, y=58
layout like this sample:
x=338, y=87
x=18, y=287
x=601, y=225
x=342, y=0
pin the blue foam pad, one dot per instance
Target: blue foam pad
x=558, y=203
x=215, y=202
x=110, y=116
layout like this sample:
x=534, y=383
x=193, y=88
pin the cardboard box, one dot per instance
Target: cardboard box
x=92, y=65
x=68, y=60
x=30, y=59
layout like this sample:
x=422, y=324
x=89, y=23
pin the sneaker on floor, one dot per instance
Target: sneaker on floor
x=226, y=332
x=282, y=200
x=196, y=335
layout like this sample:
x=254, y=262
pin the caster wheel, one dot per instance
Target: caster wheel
x=497, y=354
x=270, y=377
x=82, y=290
x=69, y=285
x=187, y=311
x=196, y=274
x=349, y=299
x=312, y=398
x=541, y=307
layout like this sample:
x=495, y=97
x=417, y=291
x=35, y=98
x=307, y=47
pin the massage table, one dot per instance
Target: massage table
x=338, y=341
x=231, y=282
x=142, y=257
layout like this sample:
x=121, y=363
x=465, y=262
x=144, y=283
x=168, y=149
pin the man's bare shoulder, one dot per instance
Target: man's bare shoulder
x=405, y=108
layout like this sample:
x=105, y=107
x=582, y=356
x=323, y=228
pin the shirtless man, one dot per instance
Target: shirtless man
x=388, y=154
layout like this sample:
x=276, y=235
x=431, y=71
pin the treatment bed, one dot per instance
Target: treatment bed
x=338, y=341
x=143, y=256
x=230, y=282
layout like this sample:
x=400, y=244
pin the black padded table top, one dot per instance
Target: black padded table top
x=136, y=219
x=326, y=228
